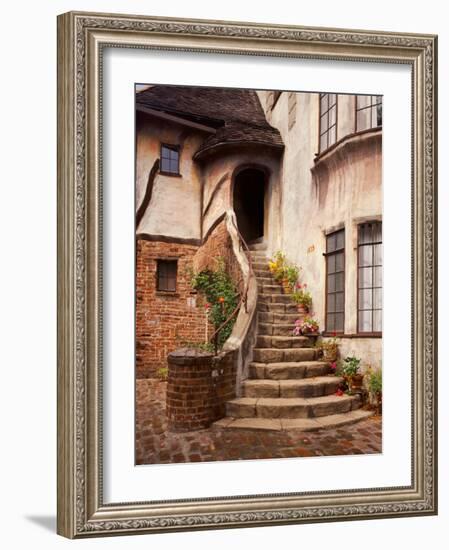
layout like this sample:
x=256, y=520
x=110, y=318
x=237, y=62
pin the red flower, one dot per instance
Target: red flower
x=334, y=334
x=339, y=392
x=207, y=305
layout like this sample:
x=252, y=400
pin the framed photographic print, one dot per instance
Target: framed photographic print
x=247, y=274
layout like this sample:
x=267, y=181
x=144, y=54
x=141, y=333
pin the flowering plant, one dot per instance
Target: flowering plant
x=305, y=326
x=277, y=266
x=302, y=296
x=330, y=348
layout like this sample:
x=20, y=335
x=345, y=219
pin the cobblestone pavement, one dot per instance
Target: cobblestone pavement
x=155, y=445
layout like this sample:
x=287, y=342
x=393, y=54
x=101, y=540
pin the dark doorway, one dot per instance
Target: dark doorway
x=249, y=203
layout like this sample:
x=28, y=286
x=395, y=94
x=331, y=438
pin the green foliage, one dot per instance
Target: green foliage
x=375, y=382
x=291, y=273
x=204, y=346
x=303, y=298
x=350, y=366
x=221, y=294
x=162, y=373
x=284, y=270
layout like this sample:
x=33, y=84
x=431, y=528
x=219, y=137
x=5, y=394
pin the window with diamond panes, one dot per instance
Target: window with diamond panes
x=369, y=309
x=335, y=281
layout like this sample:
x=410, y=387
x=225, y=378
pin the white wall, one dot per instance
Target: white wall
x=28, y=275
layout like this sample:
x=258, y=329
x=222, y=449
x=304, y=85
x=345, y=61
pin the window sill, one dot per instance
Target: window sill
x=170, y=174
x=345, y=139
x=167, y=294
x=356, y=335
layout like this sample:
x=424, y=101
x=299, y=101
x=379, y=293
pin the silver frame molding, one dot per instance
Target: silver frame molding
x=81, y=39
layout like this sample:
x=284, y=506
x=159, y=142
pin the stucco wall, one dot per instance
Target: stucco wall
x=340, y=189
x=221, y=169
x=175, y=207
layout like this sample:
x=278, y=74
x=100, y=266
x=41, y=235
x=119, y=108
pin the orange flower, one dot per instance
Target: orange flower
x=221, y=300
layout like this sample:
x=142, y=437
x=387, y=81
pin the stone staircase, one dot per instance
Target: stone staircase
x=288, y=386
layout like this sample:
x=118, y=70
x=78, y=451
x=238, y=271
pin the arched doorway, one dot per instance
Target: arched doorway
x=249, y=203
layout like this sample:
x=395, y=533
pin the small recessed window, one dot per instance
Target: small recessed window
x=170, y=159
x=166, y=275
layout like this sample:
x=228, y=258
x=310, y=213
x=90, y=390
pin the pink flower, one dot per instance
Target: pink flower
x=304, y=285
x=207, y=306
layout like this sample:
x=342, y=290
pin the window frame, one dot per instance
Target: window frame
x=371, y=106
x=159, y=262
x=320, y=118
x=171, y=147
x=326, y=256
x=358, y=331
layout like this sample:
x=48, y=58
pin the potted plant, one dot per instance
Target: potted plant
x=291, y=273
x=302, y=298
x=375, y=388
x=277, y=266
x=351, y=372
x=306, y=326
x=330, y=348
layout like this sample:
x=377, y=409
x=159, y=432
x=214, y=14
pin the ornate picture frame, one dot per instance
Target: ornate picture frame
x=82, y=38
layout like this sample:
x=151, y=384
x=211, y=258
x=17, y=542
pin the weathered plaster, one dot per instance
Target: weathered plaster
x=175, y=207
x=342, y=189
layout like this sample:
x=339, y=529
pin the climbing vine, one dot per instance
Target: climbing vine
x=221, y=295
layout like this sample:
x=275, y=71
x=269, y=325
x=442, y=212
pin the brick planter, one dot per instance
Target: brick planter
x=199, y=385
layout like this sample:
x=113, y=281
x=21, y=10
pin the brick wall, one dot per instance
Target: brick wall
x=164, y=320
x=199, y=385
x=219, y=244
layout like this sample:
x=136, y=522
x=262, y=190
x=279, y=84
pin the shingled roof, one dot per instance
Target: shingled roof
x=236, y=114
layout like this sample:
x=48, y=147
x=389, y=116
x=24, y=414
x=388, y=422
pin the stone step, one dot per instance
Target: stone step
x=291, y=407
x=257, y=246
x=275, y=329
x=294, y=370
x=260, y=265
x=284, y=342
x=269, y=297
x=274, y=355
x=261, y=272
x=274, y=307
x=259, y=255
x=265, y=280
x=271, y=317
x=306, y=387
x=301, y=424
x=270, y=290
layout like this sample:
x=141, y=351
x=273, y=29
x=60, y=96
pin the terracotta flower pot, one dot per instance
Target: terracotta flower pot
x=330, y=355
x=357, y=381
x=302, y=309
x=286, y=286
